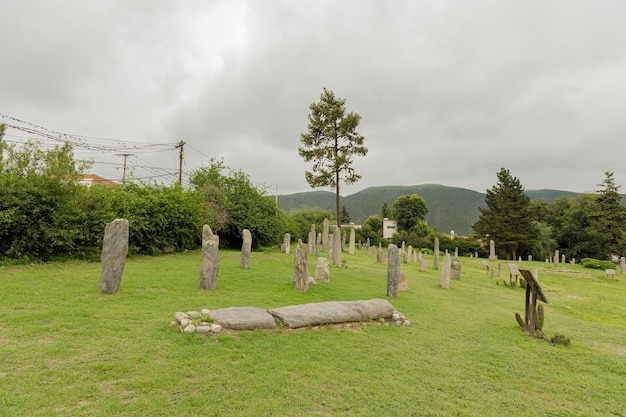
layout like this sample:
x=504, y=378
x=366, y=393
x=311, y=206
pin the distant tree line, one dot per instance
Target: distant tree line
x=591, y=225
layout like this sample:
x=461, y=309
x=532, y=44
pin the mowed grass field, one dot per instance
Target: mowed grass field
x=66, y=350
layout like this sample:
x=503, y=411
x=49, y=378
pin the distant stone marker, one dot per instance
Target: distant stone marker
x=246, y=247
x=379, y=254
x=402, y=282
x=352, y=237
x=436, y=255
x=455, y=269
x=337, y=247
x=393, y=270
x=445, y=271
x=423, y=265
x=210, y=259
x=286, y=246
x=325, y=235
x=322, y=272
x=114, y=251
x=301, y=267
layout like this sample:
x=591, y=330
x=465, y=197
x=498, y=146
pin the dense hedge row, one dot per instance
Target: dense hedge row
x=45, y=218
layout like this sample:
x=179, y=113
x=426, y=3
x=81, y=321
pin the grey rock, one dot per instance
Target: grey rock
x=243, y=318
x=114, y=251
x=246, y=247
x=332, y=312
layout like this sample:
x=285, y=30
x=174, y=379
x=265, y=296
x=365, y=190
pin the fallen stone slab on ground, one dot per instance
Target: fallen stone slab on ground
x=243, y=318
x=331, y=312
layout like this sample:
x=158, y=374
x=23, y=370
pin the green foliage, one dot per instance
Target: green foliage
x=160, y=217
x=610, y=218
x=543, y=242
x=304, y=218
x=234, y=204
x=409, y=211
x=345, y=216
x=560, y=339
x=331, y=142
x=372, y=229
x=597, y=264
x=507, y=218
x=385, y=211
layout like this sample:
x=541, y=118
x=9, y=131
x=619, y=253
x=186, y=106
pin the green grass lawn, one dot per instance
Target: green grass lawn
x=66, y=350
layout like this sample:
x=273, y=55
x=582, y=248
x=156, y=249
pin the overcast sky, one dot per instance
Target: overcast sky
x=449, y=91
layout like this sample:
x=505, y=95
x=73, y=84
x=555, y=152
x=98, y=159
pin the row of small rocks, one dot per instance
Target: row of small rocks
x=199, y=322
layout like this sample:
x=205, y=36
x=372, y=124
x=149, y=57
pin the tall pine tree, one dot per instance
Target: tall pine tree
x=331, y=142
x=507, y=218
x=610, y=217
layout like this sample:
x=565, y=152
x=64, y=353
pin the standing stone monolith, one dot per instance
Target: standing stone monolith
x=492, y=250
x=337, y=247
x=445, y=271
x=322, y=272
x=379, y=254
x=318, y=242
x=352, y=237
x=424, y=265
x=210, y=259
x=436, y=254
x=325, y=235
x=343, y=240
x=301, y=267
x=622, y=264
x=455, y=269
x=556, y=258
x=393, y=270
x=246, y=247
x=114, y=251
x=563, y=258
x=402, y=282
x=286, y=246
x=329, y=246
x=311, y=240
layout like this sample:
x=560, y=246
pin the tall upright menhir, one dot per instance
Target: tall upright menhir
x=330, y=143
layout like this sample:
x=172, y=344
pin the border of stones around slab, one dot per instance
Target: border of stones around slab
x=344, y=314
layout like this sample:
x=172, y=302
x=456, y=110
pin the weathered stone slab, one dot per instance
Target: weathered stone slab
x=330, y=312
x=445, y=271
x=436, y=255
x=210, y=265
x=336, y=247
x=352, y=242
x=301, y=267
x=393, y=270
x=402, y=282
x=114, y=251
x=322, y=271
x=246, y=247
x=456, y=269
x=243, y=318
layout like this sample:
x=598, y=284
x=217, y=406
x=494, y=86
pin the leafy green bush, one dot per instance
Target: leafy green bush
x=597, y=264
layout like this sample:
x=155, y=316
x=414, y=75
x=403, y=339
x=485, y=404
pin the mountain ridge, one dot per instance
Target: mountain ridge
x=449, y=208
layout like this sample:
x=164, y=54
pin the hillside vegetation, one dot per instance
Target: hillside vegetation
x=449, y=208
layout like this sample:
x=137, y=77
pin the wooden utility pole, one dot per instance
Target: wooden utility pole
x=125, y=155
x=180, y=164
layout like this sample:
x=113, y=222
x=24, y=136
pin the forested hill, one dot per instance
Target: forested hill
x=449, y=208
